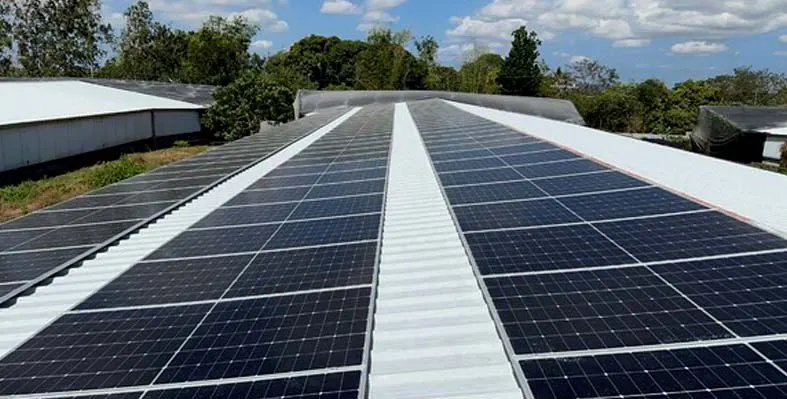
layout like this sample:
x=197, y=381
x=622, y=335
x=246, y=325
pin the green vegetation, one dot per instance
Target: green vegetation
x=17, y=200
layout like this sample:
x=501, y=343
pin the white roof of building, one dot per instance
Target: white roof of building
x=38, y=101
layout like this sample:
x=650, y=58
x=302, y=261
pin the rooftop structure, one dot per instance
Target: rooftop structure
x=428, y=249
x=742, y=133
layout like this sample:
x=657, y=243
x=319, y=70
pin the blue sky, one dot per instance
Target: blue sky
x=670, y=39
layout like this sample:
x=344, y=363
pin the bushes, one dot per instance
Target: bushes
x=112, y=172
x=615, y=109
x=783, y=159
x=244, y=103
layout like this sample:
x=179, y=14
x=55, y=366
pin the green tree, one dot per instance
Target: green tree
x=480, y=73
x=281, y=68
x=135, y=57
x=443, y=78
x=60, y=37
x=218, y=52
x=427, y=48
x=747, y=86
x=521, y=74
x=324, y=61
x=385, y=64
x=6, y=38
x=653, y=96
x=615, y=109
x=241, y=106
x=590, y=76
x=684, y=102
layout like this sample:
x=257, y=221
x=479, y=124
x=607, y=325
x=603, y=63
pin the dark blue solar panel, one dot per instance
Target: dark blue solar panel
x=297, y=170
x=775, y=351
x=686, y=236
x=195, y=182
x=596, y=309
x=122, y=213
x=492, y=192
x=7, y=288
x=363, y=157
x=76, y=236
x=460, y=146
x=338, y=207
x=460, y=155
x=169, y=282
x=99, y=350
x=513, y=214
x=318, y=386
x=344, y=189
x=326, y=231
x=275, y=335
x=365, y=174
x=537, y=157
x=588, y=183
x=522, y=148
x=745, y=293
x=29, y=265
x=469, y=164
x=44, y=219
x=247, y=215
x=717, y=372
x=268, y=196
x=307, y=269
x=11, y=239
x=286, y=181
x=579, y=165
x=347, y=166
x=216, y=241
x=624, y=204
x=479, y=176
x=553, y=248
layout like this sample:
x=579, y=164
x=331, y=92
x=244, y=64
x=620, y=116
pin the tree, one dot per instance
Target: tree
x=747, y=86
x=480, y=73
x=137, y=40
x=653, y=96
x=443, y=78
x=386, y=65
x=614, y=109
x=240, y=106
x=590, y=76
x=60, y=37
x=521, y=74
x=324, y=61
x=6, y=38
x=684, y=102
x=218, y=52
x=427, y=48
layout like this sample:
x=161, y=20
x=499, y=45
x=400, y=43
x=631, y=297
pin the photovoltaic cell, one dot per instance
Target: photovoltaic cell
x=7, y=288
x=160, y=196
x=76, y=236
x=275, y=335
x=537, y=157
x=747, y=294
x=459, y=155
x=687, y=236
x=193, y=182
x=45, y=219
x=460, y=195
x=469, y=164
x=552, y=248
x=624, y=204
x=365, y=174
x=307, y=269
x=98, y=350
x=578, y=165
x=122, y=213
x=522, y=148
x=247, y=215
x=151, y=283
x=218, y=241
x=338, y=207
x=298, y=170
x=775, y=351
x=287, y=181
x=347, y=166
x=596, y=309
x=29, y=265
x=479, y=176
x=268, y=196
x=716, y=372
x=326, y=231
x=588, y=183
x=353, y=188
x=11, y=239
x=513, y=214
x=318, y=386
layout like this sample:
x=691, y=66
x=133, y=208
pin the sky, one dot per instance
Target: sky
x=673, y=40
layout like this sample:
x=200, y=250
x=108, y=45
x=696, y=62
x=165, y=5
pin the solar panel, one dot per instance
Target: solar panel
x=268, y=196
x=513, y=214
x=325, y=231
x=215, y=241
x=538, y=157
x=588, y=183
x=473, y=194
x=626, y=204
x=479, y=176
x=568, y=167
x=248, y=215
x=729, y=371
x=29, y=265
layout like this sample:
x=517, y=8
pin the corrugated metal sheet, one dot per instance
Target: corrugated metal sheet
x=29, y=102
x=433, y=335
x=32, y=313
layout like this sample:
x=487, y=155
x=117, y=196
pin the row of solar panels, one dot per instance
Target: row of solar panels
x=37, y=246
x=278, y=280
x=585, y=265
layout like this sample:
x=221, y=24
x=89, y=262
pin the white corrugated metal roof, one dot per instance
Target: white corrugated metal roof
x=29, y=102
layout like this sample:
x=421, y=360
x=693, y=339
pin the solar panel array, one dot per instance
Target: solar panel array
x=34, y=247
x=605, y=285
x=267, y=296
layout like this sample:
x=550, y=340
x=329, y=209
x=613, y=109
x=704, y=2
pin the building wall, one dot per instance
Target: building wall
x=30, y=144
x=773, y=145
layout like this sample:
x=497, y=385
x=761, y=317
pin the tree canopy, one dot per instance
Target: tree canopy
x=520, y=74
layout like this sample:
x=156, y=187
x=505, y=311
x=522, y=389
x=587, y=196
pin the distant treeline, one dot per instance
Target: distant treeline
x=69, y=38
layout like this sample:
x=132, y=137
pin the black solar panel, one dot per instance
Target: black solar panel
x=338, y=207
x=625, y=204
x=461, y=195
x=29, y=265
x=595, y=310
x=326, y=231
x=479, y=176
x=716, y=372
x=469, y=164
x=268, y=196
x=538, y=157
x=247, y=215
x=578, y=165
x=513, y=214
x=534, y=146
x=351, y=188
x=588, y=183
x=72, y=236
x=215, y=241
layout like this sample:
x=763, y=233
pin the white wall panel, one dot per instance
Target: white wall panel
x=170, y=123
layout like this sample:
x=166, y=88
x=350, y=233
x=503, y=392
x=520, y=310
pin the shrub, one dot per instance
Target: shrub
x=783, y=159
x=241, y=106
x=108, y=173
x=180, y=144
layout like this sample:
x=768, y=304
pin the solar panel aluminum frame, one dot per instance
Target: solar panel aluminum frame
x=9, y=299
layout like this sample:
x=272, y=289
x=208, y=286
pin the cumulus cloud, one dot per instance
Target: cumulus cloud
x=194, y=12
x=783, y=38
x=579, y=58
x=261, y=44
x=342, y=7
x=698, y=48
x=631, y=43
x=472, y=28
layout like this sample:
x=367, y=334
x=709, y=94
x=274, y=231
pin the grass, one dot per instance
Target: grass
x=20, y=199
x=770, y=167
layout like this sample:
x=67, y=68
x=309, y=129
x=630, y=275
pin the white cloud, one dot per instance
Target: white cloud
x=343, y=7
x=579, y=58
x=262, y=44
x=374, y=18
x=193, y=12
x=473, y=28
x=698, y=48
x=780, y=53
x=631, y=43
x=783, y=38
x=384, y=4
x=266, y=19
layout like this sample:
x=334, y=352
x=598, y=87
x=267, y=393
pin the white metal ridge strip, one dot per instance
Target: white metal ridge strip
x=33, y=313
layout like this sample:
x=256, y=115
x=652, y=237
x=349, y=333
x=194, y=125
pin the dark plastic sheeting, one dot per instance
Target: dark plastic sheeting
x=308, y=101
x=736, y=133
